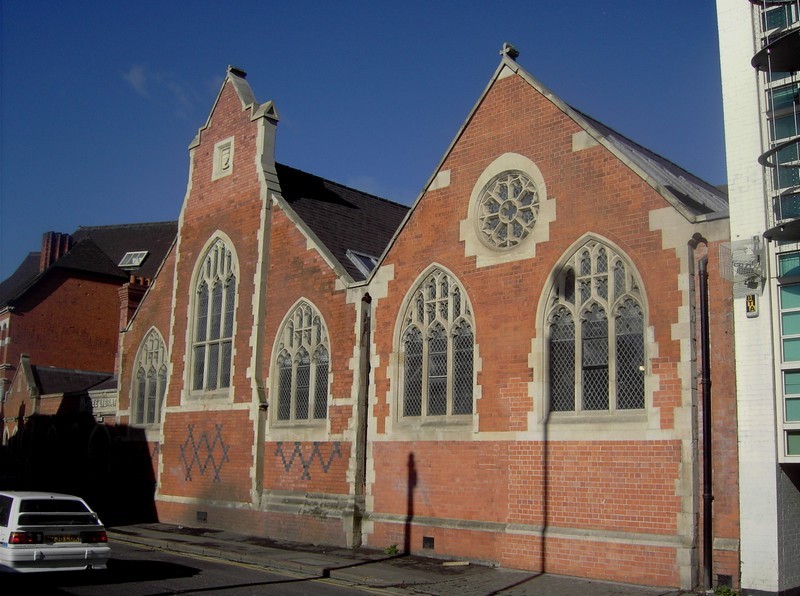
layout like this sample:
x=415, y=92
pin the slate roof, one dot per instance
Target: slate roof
x=698, y=196
x=341, y=217
x=52, y=380
x=115, y=241
x=87, y=257
x=98, y=250
x=109, y=384
x=694, y=198
x=15, y=283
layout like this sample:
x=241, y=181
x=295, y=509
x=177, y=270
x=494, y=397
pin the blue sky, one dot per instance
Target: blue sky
x=100, y=100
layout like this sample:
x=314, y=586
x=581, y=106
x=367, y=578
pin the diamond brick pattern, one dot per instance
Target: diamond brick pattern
x=307, y=459
x=204, y=454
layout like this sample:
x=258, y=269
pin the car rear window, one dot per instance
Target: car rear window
x=62, y=512
x=58, y=519
x=52, y=506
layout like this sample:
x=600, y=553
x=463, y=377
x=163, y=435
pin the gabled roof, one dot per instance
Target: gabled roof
x=698, y=196
x=115, y=241
x=342, y=218
x=98, y=251
x=695, y=199
x=87, y=257
x=20, y=279
x=237, y=78
x=50, y=380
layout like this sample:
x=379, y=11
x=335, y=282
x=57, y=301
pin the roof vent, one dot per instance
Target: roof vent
x=237, y=71
x=510, y=51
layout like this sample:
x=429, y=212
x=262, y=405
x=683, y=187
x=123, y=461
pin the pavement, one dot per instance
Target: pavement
x=370, y=570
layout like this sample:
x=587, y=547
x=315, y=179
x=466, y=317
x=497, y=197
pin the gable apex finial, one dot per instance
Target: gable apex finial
x=510, y=51
x=236, y=71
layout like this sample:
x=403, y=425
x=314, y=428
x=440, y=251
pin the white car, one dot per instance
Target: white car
x=50, y=532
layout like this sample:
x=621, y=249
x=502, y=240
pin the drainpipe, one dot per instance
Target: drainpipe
x=705, y=384
x=362, y=414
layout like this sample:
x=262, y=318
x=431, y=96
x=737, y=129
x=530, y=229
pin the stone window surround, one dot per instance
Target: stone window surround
x=541, y=352
x=310, y=424
x=470, y=234
x=159, y=365
x=609, y=304
x=224, y=392
x=425, y=423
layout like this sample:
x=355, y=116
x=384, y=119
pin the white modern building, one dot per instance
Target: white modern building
x=760, y=59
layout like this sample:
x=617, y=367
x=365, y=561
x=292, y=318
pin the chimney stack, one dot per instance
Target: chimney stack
x=54, y=246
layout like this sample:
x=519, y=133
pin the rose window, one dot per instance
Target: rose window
x=507, y=209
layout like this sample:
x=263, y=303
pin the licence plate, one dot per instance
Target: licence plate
x=63, y=538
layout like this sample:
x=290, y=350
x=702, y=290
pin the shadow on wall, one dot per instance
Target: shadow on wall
x=411, y=486
x=108, y=466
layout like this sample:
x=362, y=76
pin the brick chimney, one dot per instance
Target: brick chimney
x=54, y=246
x=130, y=295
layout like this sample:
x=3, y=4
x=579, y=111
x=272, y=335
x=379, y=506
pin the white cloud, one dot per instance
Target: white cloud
x=161, y=87
x=137, y=78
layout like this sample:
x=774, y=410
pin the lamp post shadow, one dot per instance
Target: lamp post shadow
x=411, y=485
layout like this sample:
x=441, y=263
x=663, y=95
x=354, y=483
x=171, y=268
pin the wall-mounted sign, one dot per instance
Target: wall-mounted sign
x=751, y=305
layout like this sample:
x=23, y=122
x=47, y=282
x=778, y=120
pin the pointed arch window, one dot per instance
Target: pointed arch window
x=302, y=365
x=150, y=383
x=212, y=346
x=437, y=344
x=595, y=327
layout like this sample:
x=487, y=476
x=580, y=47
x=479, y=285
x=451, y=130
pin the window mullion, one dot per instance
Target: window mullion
x=218, y=372
x=424, y=388
x=204, y=380
x=450, y=372
x=612, y=363
x=293, y=392
x=206, y=343
x=312, y=385
x=578, y=362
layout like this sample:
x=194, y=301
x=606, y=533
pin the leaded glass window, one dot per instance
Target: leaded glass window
x=507, y=209
x=303, y=364
x=594, y=349
x=150, y=383
x=595, y=328
x=212, y=349
x=412, y=396
x=562, y=361
x=284, y=386
x=438, y=350
x=462, y=367
x=321, y=382
x=629, y=324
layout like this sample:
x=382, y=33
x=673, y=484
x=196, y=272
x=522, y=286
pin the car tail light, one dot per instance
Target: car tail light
x=95, y=537
x=25, y=538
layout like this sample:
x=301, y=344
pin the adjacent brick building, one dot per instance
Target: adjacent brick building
x=64, y=306
x=508, y=372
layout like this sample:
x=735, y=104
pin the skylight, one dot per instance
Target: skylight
x=133, y=259
x=365, y=263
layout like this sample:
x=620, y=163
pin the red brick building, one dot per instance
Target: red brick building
x=60, y=317
x=508, y=372
x=64, y=306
